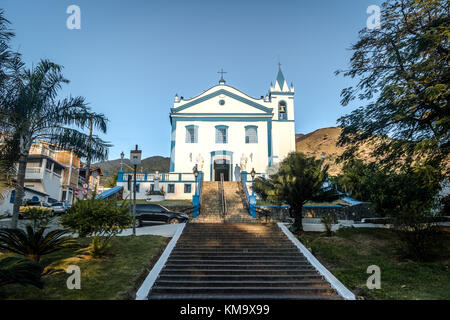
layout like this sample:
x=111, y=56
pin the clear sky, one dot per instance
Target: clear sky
x=131, y=57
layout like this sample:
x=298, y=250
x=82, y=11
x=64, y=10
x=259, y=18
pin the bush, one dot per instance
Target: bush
x=100, y=219
x=40, y=217
x=328, y=221
x=34, y=244
x=20, y=270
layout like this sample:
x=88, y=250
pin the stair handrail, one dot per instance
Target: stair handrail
x=222, y=195
x=250, y=200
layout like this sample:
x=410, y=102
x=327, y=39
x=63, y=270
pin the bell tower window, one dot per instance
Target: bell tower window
x=282, y=111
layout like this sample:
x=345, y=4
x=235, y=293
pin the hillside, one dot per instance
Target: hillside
x=324, y=140
x=150, y=164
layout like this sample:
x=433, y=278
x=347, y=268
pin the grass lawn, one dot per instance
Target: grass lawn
x=350, y=251
x=116, y=276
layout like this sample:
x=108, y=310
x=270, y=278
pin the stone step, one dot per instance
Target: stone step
x=242, y=290
x=249, y=277
x=237, y=283
x=257, y=266
x=243, y=271
x=239, y=296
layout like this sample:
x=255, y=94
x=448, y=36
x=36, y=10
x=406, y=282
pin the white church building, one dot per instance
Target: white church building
x=224, y=131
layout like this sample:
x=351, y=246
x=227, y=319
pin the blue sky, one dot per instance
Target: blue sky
x=131, y=57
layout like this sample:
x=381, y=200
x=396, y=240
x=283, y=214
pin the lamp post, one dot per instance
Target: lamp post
x=253, y=174
x=122, y=155
x=196, y=180
x=135, y=159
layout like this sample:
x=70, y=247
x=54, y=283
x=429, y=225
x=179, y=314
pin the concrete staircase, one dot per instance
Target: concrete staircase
x=237, y=211
x=211, y=211
x=238, y=261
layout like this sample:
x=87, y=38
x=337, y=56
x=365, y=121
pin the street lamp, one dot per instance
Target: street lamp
x=253, y=174
x=122, y=155
x=196, y=180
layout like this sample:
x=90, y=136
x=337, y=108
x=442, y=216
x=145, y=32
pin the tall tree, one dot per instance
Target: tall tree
x=31, y=111
x=404, y=76
x=6, y=56
x=298, y=180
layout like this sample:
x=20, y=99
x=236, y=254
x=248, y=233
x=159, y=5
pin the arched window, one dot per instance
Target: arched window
x=282, y=110
x=192, y=134
x=251, y=134
x=222, y=134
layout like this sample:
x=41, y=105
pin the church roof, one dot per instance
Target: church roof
x=280, y=78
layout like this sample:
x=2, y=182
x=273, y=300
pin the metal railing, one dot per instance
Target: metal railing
x=222, y=196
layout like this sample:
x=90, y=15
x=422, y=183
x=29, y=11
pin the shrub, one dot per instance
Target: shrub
x=40, y=217
x=100, y=219
x=34, y=244
x=20, y=270
x=328, y=221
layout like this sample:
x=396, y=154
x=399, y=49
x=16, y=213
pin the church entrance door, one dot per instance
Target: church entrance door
x=221, y=166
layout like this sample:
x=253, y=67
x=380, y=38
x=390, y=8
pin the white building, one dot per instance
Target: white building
x=225, y=131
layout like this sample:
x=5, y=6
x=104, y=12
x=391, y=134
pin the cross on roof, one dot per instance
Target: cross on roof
x=222, y=73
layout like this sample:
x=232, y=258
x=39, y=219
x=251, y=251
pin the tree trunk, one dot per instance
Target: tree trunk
x=25, y=145
x=19, y=190
x=298, y=211
x=88, y=158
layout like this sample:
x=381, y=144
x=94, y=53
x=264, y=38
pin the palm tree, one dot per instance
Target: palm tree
x=298, y=180
x=34, y=244
x=31, y=111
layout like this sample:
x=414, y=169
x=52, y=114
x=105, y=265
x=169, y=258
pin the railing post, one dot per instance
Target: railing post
x=252, y=206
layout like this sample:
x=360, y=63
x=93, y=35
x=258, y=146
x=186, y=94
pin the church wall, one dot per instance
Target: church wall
x=284, y=139
x=186, y=153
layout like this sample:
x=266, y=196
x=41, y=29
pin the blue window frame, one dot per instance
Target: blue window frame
x=251, y=134
x=187, y=188
x=222, y=134
x=191, y=134
x=171, y=188
x=138, y=187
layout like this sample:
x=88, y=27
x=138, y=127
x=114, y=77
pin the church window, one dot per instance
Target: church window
x=222, y=134
x=282, y=111
x=251, y=134
x=192, y=134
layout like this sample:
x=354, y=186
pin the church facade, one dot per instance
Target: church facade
x=224, y=131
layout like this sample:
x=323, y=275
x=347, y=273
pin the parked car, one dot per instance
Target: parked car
x=60, y=207
x=158, y=214
x=34, y=204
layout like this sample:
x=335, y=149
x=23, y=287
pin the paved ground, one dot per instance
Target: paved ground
x=165, y=230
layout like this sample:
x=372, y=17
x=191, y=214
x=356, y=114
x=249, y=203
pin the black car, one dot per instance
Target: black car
x=157, y=214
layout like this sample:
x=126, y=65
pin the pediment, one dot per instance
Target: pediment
x=222, y=101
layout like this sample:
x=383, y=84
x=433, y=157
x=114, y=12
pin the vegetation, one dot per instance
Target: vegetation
x=20, y=270
x=116, y=276
x=403, y=72
x=34, y=244
x=40, y=217
x=298, y=180
x=99, y=219
x=328, y=221
x=349, y=252
x=407, y=197
x=30, y=109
